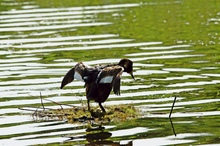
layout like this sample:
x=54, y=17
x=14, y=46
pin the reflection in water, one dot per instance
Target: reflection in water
x=172, y=125
x=97, y=136
x=171, y=115
x=93, y=136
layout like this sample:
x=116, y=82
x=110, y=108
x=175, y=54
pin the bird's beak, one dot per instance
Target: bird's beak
x=131, y=73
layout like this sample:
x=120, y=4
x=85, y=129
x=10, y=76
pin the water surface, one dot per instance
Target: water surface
x=175, y=49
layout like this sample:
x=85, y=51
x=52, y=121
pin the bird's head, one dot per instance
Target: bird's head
x=127, y=65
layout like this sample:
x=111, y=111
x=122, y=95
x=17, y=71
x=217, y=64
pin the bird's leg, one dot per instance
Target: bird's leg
x=88, y=104
x=103, y=110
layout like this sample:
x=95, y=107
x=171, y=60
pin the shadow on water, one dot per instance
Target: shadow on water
x=175, y=49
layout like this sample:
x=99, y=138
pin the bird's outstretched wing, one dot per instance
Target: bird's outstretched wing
x=116, y=85
x=112, y=75
x=77, y=72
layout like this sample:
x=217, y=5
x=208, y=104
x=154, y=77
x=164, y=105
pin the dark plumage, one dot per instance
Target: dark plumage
x=99, y=80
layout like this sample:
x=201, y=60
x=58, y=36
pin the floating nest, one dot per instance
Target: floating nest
x=74, y=114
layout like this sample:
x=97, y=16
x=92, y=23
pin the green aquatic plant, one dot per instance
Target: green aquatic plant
x=74, y=114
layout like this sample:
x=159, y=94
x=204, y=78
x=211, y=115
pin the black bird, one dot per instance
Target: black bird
x=99, y=80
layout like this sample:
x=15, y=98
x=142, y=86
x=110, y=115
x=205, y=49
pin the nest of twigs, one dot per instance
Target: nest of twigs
x=73, y=114
x=114, y=114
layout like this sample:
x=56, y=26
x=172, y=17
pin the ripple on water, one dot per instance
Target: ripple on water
x=184, y=103
x=54, y=10
x=105, y=46
x=60, y=13
x=131, y=131
x=9, y=111
x=181, y=69
x=24, y=142
x=53, y=44
x=32, y=81
x=55, y=39
x=15, y=20
x=11, y=29
x=211, y=75
x=184, y=77
x=181, y=138
x=15, y=119
x=185, y=114
x=165, y=47
x=199, y=83
x=165, y=57
x=34, y=127
x=32, y=72
x=147, y=65
x=27, y=75
x=157, y=52
x=13, y=60
x=147, y=72
x=209, y=68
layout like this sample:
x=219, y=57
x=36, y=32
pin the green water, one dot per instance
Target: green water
x=192, y=74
